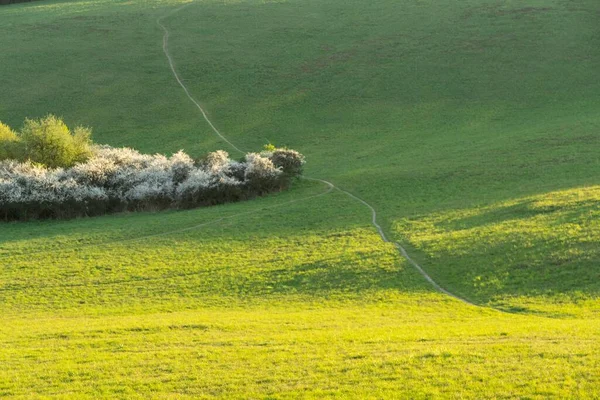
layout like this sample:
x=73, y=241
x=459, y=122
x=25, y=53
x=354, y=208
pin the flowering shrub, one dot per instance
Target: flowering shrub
x=262, y=174
x=290, y=161
x=118, y=179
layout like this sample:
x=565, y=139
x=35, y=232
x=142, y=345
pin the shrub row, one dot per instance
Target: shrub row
x=121, y=179
x=7, y=2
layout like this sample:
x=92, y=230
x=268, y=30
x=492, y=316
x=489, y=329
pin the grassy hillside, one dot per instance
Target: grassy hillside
x=265, y=299
x=472, y=128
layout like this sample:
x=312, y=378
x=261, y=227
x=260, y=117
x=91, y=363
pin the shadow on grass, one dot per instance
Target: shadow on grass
x=522, y=210
x=342, y=275
x=510, y=254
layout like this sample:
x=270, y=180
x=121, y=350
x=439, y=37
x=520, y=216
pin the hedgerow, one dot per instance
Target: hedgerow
x=122, y=179
x=7, y=2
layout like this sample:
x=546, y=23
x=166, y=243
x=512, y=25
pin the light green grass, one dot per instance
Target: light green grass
x=473, y=129
x=411, y=351
x=280, y=303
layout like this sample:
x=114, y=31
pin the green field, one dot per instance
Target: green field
x=473, y=128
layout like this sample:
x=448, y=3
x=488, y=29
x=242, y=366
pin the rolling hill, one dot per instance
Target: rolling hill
x=473, y=129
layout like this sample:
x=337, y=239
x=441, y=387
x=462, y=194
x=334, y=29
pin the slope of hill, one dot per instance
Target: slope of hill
x=472, y=128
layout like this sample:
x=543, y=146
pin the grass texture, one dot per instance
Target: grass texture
x=472, y=128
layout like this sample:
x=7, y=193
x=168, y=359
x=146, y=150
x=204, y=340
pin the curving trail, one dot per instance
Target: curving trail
x=185, y=89
x=382, y=234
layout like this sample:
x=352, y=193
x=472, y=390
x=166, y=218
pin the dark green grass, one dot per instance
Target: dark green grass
x=472, y=127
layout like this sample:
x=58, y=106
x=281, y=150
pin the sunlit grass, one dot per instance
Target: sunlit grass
x=416, y=349
x=472, y=127
x=535, y=254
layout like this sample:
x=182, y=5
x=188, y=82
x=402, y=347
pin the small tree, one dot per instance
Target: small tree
x=48, y=141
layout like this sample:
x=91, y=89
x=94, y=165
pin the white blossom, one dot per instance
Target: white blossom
x=133, y=180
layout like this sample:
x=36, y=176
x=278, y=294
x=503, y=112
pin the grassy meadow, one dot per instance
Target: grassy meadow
x=473, y=128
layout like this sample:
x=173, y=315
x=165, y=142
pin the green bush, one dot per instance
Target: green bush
x=49, y=141
x=9, y=143
x=6, y=133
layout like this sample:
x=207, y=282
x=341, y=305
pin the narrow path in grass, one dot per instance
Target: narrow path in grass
x=382, y=234
x=185, y=89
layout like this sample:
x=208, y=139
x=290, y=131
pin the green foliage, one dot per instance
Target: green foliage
x=50, y=142
x=81, y=145
x=47, y=141
x=269, y=147
x=9, y=143
x=7, y=134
